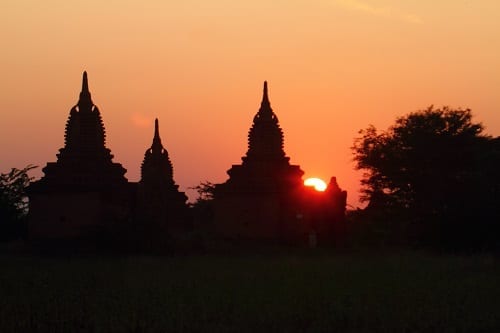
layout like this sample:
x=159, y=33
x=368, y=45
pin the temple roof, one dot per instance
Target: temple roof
x=84, y=159
x=85, y=102
x=156, y=147
x=156, y=166
x=85, y=129
x=265, y=138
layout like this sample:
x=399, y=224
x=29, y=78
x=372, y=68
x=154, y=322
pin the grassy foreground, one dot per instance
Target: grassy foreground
x=301, y=292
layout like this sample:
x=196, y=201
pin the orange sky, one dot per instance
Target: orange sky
x=333, y=66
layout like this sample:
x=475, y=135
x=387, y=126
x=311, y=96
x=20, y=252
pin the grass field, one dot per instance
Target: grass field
x=292, y=292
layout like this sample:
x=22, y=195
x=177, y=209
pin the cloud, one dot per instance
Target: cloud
x=386, y=11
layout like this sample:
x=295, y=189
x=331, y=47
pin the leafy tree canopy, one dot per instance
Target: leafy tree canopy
x=419, y=149
x=436, y=164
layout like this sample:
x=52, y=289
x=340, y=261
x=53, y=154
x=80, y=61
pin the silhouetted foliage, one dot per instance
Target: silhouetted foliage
x=435, y=172
x=202, y=208
x=13, y=202
x=205, y=191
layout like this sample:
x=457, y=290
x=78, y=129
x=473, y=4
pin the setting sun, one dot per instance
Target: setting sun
x=318, y=184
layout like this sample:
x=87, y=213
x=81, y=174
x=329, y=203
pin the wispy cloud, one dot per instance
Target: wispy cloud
x=385, y=11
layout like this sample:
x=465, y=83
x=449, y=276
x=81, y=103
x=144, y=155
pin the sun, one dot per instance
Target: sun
x=318, y=184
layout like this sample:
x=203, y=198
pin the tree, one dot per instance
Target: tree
x=13, y=201
x=436, y=167
x=202, y=208
x=205, y=191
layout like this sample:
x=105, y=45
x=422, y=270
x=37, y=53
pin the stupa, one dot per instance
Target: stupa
x=84, y=191
x=160, y=201
x=260, y=198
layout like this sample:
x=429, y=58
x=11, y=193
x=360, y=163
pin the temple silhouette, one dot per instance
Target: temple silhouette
x=84, y=194
x=265, y=197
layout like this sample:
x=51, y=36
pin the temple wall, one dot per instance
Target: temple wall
x=254, y=216
x=63, y=215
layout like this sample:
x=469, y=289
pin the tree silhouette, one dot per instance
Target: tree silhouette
x=205, y=191
x=436, y=167
x=202, y=208
x=13, y=202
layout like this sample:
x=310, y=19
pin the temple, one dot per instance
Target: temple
x=84, y=161
x=84, y=195
x=264, y=197
x=160, y=203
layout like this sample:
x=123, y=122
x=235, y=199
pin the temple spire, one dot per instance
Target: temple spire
x=265, y=104
x=265, y=138
x=265, y=111
x=85, y=101
x=156, y=146
x=156, y=166
x=85, y=82
x=157, y=132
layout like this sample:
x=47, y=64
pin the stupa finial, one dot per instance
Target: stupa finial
x=265, y=96
x=157, y=131
x=157, y=146
x=85, y=82
x=85, y=101
x=265, y=111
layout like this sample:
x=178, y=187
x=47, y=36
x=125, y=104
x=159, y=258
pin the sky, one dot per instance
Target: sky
x=333, y=67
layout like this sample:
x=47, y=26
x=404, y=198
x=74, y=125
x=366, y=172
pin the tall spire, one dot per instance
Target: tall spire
x=84, y=127
x=85, y=101
x=265, y=138
x=84, y=157
x=265, y=105
x=156, y=166
x=157, y=132
x=265, y=97
x=85, y=82
x=156, y=146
